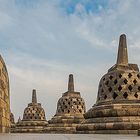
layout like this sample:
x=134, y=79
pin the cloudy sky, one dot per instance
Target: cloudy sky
x=43, y=41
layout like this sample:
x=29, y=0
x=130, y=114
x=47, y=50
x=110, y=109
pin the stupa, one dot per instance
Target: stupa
x=4, y=98
x=70, y=110
x=12, y=120
x=117, y=109
x=34, y=119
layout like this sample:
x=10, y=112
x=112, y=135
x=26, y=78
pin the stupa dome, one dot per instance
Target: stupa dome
x=122, y=82
x=71, y=102
x=4, y=98
x=70, y=111
x=33, y=120
x=117, y=109
x=12, y=120
x=34, y=111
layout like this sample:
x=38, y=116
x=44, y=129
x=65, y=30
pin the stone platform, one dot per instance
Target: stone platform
x=66, y=137
x=118, y=119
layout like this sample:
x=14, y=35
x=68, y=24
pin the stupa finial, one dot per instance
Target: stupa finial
x=71, y=83
x=19, y=119
x=122, y=58
x=34, y=99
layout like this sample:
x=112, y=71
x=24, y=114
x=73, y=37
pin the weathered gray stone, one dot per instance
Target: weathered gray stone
x=4, y=98
x=34, y=119
x=12, y=121
x=70, y=110
x=117, y=109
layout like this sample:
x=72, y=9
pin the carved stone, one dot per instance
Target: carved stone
x=4, y=99
x=34, y=119
x=70, y=110
x=12, y=120
x=117, y=109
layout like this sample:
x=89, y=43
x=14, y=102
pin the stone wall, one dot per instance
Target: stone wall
x=4, y=99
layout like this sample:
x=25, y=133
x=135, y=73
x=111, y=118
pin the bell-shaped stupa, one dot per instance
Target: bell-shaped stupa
x=12, y=121
x=33, y=120
x=4, y=98
x=117, y=109
x=70, y=110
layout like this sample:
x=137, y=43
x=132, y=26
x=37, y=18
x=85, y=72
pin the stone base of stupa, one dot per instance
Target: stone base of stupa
x=139, y=132
x=12, y=127
x=30, y=127
x=111, y=119
x=63, y=124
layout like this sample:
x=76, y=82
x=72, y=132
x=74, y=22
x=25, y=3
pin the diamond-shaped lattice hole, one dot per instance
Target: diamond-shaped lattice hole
x=105, y=96
x=138, y=75
x=103, y=79
x=74, y=103
x=135, y=81
x=110, y=77
x=120, y=75
x=139, y=88
x=130, y=87
x=115, y=81
x=109, y=89
x=125, y=81
x=102, y=90
x=136, y=95
x=120, y=88
x=129, y=75
x=125, y=95
x=115, y=95
x=100, y=85
x=107, y=82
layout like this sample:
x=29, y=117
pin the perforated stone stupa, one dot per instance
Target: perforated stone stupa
x=117, y=109
x=12, y=121
x=4, y=98
x=70, y=110
x=34, y=119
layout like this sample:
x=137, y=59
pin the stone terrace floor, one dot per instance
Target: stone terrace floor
x=66, y=137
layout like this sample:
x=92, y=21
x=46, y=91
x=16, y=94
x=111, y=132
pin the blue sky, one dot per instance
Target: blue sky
x=89, y=5
x=43, y=41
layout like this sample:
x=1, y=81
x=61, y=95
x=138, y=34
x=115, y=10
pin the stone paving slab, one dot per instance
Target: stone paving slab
x=66, y=137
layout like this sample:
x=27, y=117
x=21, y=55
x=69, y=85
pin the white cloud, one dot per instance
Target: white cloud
x=5, y=21
x=42, y=44
x=50, y=80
